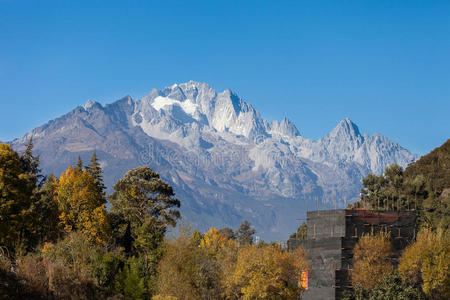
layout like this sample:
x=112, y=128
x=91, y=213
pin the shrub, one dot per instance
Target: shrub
x=33, y=270
x=130, y=281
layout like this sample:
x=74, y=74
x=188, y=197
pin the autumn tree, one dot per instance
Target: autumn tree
x=267, y=272
x=187, y=271
x=213, y=241
x=81, y=204
x=371, y=261
x=426, y=264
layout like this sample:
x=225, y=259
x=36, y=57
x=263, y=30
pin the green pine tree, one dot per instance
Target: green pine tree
x=17, y=189
x=95, y=170
x=79, y=166
x=245, y=234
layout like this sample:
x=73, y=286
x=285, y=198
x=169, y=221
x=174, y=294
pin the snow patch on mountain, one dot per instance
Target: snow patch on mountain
x=188, y=105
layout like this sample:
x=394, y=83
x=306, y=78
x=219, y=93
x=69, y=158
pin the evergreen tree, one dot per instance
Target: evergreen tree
x=95, y=170
x=147, y=205
x=29, y=211
x=16, y=191
x=79, y=166
x=41, y=210
x=30, y=164
x=46, y=212
x=142, y=207
x=245, y=234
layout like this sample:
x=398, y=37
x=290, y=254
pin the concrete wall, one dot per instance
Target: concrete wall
x=324, y=257
x=326, y=223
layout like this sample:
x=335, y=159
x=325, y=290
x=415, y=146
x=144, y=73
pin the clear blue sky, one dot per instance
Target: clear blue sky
x=384, y=64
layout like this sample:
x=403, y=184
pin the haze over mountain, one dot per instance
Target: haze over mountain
x=224, y=161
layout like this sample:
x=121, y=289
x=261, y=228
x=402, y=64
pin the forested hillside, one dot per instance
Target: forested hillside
x=435, y=168
x=424, y=186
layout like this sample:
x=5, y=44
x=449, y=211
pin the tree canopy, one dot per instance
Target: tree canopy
x=146, y=205
x=371, y=261
x=81, y=204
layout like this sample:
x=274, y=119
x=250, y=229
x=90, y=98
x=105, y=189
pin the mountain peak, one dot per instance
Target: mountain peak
x=285, y=127
x=191, y=84
x=90, y=103
x=196, y=84
x=187, y=90
x=346, y=128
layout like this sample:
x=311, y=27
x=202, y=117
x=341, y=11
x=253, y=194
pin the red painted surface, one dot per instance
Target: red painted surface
x=376, y=217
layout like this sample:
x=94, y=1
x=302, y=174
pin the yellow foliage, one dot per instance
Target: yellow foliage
x=267, y=272
x=179, y=269
x=213, y=241
x=216, y=268
x=371, y=263
x=81, y=204
x=427, y=262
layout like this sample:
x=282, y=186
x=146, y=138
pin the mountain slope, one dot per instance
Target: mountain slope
x=225, y=162
x=435, y=168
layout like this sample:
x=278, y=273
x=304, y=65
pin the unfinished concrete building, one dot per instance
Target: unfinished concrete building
x=331, y=237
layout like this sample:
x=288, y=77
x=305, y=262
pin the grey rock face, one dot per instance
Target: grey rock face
x=224, y=161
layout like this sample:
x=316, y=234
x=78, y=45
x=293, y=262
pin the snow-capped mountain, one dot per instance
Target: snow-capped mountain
x=225, y=162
